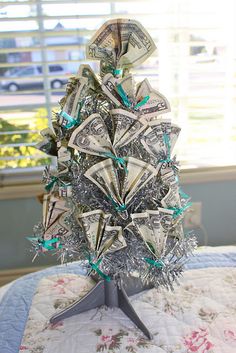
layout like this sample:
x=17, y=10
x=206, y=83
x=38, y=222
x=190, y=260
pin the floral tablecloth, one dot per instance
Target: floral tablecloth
x=199, y=316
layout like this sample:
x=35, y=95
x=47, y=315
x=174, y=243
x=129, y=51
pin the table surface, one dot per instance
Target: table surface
x=16, y=297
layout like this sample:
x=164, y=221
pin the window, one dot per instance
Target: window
x=194, y=67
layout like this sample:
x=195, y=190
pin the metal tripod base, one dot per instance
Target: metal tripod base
x=113, y=295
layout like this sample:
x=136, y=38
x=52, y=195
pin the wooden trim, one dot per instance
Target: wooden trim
x=207, y=175
x=21, y=191
x=27, y=184
x=7, y=276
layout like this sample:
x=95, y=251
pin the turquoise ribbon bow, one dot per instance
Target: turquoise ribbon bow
x=152, y=263
x=47, y=244
x=166, y=139
x=126, y=100
x=81, y=103
x=179, y=211
x=119, y=208
x=119, y=160
x=95, y=267
x=117, y=71
x=70, y=121
x=168, y=159
x=54, y=180
x=142, y=102
x=49, y=186
x=123, y=95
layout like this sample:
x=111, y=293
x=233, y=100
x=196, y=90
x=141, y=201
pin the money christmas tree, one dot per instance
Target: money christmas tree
x=114, y=201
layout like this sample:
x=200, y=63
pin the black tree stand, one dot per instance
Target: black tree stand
x=113, y=294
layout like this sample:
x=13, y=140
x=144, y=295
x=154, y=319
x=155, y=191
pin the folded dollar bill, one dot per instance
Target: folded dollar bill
x=58, y=229
x=104, y=175
x=123, y=42
x=142, y=99
x=102, y=238
x=53, y=208
x=92, y=135
x=160, y=137
x=153, y=226
x=127, y=126
x=172, y=198
x=48, y=144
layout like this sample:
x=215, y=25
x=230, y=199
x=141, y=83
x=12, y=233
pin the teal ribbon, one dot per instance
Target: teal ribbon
x=95, y=267
x=54, y=180
x=166, y=139
x=142, y=102
x=152, y=263
x=126, y=100
x=119, y=208
x=81, y=103
x=179, y=211
x=47, y=244
x=71, y=121
x=117, y=71
x=119, y=160
x=123, y=95
x=49, y=186
x=167, y=160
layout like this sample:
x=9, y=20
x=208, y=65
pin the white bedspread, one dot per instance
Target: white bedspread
x=200, y=316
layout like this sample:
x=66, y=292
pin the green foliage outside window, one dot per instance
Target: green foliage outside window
x=22, y=156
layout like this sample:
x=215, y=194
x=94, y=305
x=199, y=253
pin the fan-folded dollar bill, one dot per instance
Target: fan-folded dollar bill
x=58, y=229
x=53, y=208
x=160, y=137
x=102, y=238
x=144, y=98
x=153, y=226
x=127, y=127
x=104, y=175
x=77, y=88
x=48, y=144
x=92, y=136
x=155, y=105
x=92, y=80
x=123, y=42
x=172, y=198
x=71, y=102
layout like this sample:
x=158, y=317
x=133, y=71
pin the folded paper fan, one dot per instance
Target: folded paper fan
x=127, y=127
x=158, y=137
x=104, y=175
x=58, y=229
x=92, y=80
x=123, y=42
x=156, y=103
x=153, y=226
x=53, y=208
x=93, y=224
x=91, y=136
x=101, y=237
x=138, y=175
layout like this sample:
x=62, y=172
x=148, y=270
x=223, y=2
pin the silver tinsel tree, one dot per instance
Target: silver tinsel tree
x=114, y=201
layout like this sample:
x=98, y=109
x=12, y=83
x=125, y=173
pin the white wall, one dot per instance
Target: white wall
x=19, y=216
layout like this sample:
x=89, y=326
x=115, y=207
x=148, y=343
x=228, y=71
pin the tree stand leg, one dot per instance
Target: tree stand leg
x=112, y=294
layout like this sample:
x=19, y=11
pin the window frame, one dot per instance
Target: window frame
x=19, y=179
x=27, y=183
